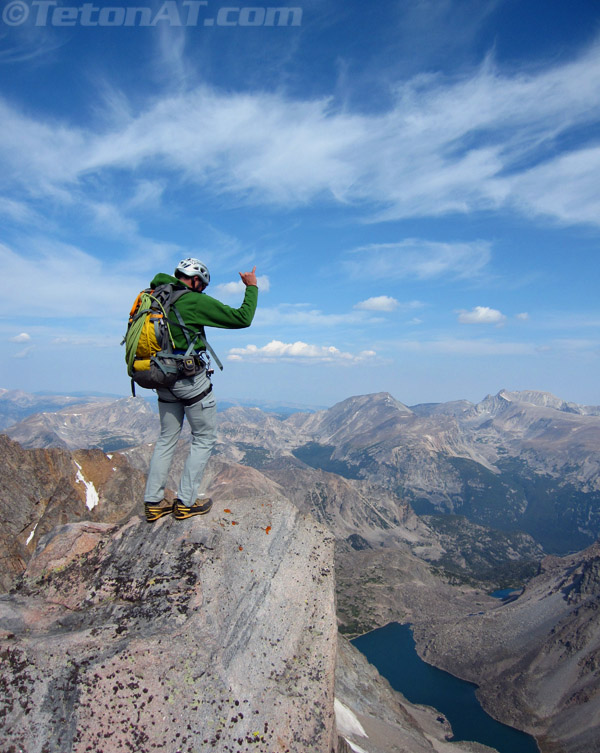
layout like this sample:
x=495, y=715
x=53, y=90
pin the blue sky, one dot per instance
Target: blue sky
x=416, y=182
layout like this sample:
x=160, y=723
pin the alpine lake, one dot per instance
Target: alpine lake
x=391, y=649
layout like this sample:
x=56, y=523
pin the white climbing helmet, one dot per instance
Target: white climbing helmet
x=194, y=268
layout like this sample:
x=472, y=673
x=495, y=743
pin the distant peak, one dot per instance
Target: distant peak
x=374, y=398
x=501, y=401
x=534, y=397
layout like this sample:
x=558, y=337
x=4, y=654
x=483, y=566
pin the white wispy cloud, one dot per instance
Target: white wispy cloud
x=459, y=346
x=564, y=188
x=564, y=320
x=25, y=352
x=456, y=346
x=17, y=210
x=299, y=352
x=481, y=315
x=71, y=283
x=303, y=315
x=147, y=194
x=577, y=344
x=418, y=259
x=478, y=141
x=78, y=341
x=111, y=221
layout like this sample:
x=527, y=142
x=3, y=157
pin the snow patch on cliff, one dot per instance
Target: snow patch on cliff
x=346, y=721
x=91, y=494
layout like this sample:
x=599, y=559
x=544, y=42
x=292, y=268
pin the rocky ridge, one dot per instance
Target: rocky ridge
x=218, y=632
x=107, y=425
x=516, y=461
x=16, y=405
x=40, y=489
x=364, y=515
x=379, y=577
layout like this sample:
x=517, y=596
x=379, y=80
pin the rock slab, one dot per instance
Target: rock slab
x=215, y=633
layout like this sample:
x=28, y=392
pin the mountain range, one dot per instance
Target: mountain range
x=217, y=634
x=516, y=463
x=16, y=405
x=430, y=506
x=106, y=425
x=511, y=462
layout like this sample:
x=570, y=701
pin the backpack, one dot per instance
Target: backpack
x=149, y=344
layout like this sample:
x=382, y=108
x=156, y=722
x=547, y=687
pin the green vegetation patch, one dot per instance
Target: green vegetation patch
x=255, y=457
x=556, y=513
x=473, y=552
x=321, y=456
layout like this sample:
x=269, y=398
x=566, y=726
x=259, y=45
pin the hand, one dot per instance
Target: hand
x=249, y=278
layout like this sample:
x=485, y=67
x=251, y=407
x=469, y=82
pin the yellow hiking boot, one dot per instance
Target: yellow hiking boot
x=200, y=507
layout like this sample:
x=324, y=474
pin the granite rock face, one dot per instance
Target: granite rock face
x=215, y=633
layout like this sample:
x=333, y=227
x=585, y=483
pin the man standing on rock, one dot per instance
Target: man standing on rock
x=191, y=397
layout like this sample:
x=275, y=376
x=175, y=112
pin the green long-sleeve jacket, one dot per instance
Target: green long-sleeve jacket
x=200, y=310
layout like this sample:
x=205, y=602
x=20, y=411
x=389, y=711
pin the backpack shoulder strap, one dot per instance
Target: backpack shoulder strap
x=211, y=351
x=196, y=334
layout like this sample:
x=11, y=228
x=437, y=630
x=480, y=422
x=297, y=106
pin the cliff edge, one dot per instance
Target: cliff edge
x=215, y=633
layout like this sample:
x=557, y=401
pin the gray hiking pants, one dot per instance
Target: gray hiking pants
x=202, y=418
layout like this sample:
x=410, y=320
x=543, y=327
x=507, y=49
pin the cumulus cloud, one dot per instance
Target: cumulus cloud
x=235, y=289
x=22, y=338
x=298, y=352
x=229, y=289
x=481, y=315
x=378, y=303
x=524, y=316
